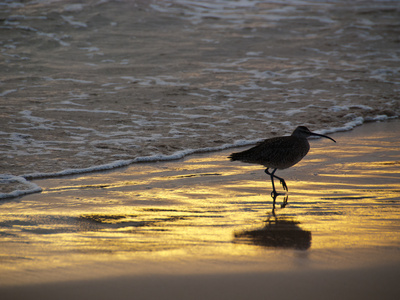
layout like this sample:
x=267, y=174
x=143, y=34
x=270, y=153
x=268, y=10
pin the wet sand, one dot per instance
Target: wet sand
x=202, y=228
x=370, y=283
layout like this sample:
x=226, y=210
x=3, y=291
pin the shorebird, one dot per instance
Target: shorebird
x=279, y=153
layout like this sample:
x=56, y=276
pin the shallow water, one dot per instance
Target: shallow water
x=207, y=214
x=91, y=83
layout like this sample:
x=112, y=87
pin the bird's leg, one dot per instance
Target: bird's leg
x=274, y=194
x=282, y=181
x=272, y=174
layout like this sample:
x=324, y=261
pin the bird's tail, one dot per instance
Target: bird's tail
x=235, y=156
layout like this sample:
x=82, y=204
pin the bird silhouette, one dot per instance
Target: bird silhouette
x=279, y=153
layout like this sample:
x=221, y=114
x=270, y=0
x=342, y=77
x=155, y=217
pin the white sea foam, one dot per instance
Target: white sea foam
x=17, y=185
x=152, y=158
x=324, y=82
x=91, y=49
x=22, y=17
x=4, y=93
x=25, y=187
x=51, y=36
x=96, y=111
x=12, y=4
x=73, y=7
x=70, y=21
x=154, y=80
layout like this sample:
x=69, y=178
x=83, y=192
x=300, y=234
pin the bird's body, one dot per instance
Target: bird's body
x=279, y=152
x=276, y=153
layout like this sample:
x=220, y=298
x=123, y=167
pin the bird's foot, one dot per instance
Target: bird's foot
x=284, y=184
x=275, y=194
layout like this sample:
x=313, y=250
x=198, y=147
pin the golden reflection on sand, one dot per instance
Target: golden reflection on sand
x=207, y=208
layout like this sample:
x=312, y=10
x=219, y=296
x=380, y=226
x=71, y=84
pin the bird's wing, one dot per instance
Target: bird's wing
x=270, y=151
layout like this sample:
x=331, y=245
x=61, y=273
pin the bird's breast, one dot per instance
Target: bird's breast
x=288, y=154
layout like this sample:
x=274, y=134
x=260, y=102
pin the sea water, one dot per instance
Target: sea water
x=95, y=85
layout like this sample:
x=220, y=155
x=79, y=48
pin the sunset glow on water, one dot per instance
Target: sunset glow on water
x=341, y=209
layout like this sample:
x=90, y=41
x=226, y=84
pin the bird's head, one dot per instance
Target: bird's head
x=304, y=132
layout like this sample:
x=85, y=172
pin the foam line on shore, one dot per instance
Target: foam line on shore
x=29, y=187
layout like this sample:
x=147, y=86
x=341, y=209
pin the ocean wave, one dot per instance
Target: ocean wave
x=24, y=187
x=104, y=84
x=16, y=186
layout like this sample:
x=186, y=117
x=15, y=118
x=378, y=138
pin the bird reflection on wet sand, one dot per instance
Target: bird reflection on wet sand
x=278, y=232
x=284, y=202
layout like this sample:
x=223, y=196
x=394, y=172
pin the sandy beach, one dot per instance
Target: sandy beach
x=202, y=228
x=141, y=102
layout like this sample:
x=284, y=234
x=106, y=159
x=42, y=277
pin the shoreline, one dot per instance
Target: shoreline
x=90, y=91
x=7, y=180
x=150, y=224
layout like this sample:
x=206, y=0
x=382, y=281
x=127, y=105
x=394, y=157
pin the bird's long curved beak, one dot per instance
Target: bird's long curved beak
x=325, y=136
